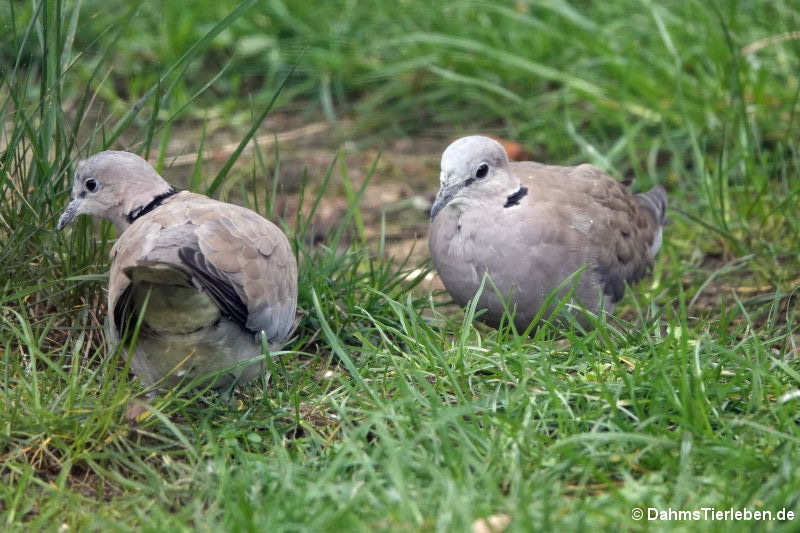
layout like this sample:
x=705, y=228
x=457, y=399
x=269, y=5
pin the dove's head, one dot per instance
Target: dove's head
x=474, y=168
x=113, y=185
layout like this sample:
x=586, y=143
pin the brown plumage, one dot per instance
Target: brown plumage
x=214, y=275
x=531, y=226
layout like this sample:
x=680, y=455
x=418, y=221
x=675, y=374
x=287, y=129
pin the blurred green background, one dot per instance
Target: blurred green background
x=555, y=75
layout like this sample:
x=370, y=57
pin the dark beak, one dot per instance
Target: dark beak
x=68, y=215
x=443, y=197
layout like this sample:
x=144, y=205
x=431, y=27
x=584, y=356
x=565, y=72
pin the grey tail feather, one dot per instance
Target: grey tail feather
x=656, y=200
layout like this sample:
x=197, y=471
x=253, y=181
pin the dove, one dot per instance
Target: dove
x=209, y=277
x=532, y=228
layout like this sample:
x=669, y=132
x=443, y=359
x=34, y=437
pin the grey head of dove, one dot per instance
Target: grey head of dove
x=116, y=186
x=473, y=168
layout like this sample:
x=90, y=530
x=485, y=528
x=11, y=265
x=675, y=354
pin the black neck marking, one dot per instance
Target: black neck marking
x=513, y=199
x=155, y=202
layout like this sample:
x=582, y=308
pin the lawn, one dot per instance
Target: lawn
x=390, y=409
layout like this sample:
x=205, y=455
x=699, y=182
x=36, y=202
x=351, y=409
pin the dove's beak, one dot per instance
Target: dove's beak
x=69, y=214
x=443, y=197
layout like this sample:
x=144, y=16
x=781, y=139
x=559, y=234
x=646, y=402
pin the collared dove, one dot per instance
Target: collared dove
x=530, y=226
x=214, y=275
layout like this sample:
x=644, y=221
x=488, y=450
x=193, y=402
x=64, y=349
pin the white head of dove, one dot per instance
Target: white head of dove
x=207, y=278
x=473, y=169
x=530, y=227
x=115, y=186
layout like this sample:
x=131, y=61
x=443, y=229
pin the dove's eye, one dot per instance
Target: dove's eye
x=483, y=169
x=91, y=185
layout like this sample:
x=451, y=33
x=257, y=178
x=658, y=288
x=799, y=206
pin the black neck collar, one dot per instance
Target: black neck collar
x=514, y=198
x=155, y=202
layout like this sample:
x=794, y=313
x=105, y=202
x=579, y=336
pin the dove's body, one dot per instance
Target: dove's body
x=217, y=274
x=213, y=275
x=532, y=227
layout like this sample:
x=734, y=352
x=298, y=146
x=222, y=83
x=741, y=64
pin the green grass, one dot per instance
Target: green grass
x=388, y=412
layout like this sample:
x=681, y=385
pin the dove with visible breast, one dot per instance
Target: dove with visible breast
x=530, y=227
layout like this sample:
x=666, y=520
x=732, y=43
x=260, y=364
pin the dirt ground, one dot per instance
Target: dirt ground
x=401, y=189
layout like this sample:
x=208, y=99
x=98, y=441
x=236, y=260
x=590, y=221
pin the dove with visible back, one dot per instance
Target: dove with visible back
x=213, y=275
x=531, y=227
